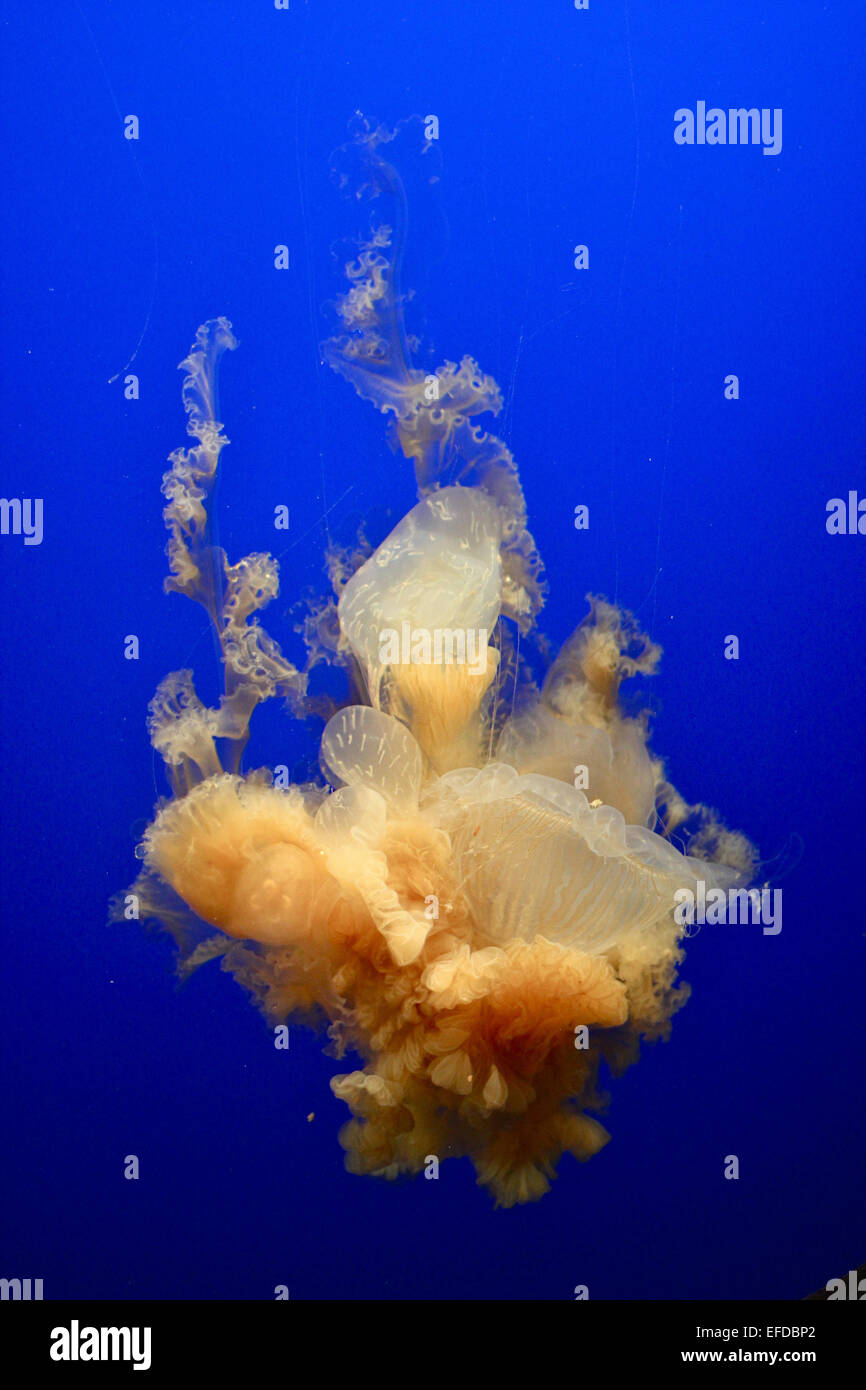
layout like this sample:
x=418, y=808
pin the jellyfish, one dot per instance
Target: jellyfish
x=473, y=926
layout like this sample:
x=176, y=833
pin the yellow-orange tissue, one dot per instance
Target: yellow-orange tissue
x=476, y=906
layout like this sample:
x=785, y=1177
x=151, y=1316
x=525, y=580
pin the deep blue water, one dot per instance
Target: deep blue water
x=707, y=517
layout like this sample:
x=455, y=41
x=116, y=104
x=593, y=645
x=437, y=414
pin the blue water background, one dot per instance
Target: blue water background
x=706, y=518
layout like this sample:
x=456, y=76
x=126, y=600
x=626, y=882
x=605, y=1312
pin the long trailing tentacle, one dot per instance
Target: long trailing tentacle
x=433, y=413
x=195, y=741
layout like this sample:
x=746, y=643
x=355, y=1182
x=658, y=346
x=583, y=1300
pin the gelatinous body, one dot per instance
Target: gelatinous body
x=476, y=923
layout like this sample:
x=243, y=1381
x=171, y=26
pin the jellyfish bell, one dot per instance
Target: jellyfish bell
x=364, y=747
x=436, y=580
x=535, y=858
